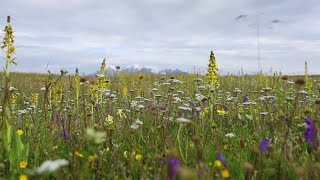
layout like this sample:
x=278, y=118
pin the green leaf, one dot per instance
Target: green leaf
x=19, y=151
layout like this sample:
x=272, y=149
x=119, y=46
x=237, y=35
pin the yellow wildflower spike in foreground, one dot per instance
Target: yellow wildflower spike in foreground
x=213, y=73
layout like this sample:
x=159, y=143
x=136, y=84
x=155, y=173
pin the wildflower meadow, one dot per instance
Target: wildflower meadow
x=142, y=126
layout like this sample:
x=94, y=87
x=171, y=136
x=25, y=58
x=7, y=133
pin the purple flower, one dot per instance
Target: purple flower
x=174, y=164
x=221, y=158
x=264, y=145
x=309, y=134
x=287, y=120
x=65, y=135
x=245, y=98
x=224, y=107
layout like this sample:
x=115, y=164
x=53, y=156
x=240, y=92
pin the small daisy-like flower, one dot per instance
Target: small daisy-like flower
x=138, y=157
x=20, y=132
x=217, y=163
x=225, y=174
x=77, y=153
x=23, y=177
x=91, y=158
x=23, y=164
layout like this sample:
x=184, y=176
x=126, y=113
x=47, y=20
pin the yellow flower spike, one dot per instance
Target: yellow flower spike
x=217, y=163
x=23, y=164
x=23, y=177
x=20, y=132
x=109, y=119
x=91, y=158
x=138, y=157
x=77, y=153
x=225, y=174
x=213, y=74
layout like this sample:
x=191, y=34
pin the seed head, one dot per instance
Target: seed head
x=285, y=77
x=300, y=82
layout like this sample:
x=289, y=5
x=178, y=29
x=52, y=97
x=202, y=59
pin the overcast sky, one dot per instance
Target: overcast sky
x=164, y=34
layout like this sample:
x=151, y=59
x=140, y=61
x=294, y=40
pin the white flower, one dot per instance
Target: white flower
x=12, y=89
x=184, y=108
x=200, y=97
x=183, y=120
x=136, y=124
x=50, y=166
x=231, y=135
x=96, y=137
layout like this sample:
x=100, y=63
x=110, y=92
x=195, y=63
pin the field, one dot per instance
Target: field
x=144, y=126
x=61, y=126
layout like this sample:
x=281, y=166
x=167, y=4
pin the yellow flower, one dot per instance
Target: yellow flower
x=23, y=177
x=23, y=164
x=139, y=157
x=108, y=149
x=77, y=153
x=222, y=112
x=20, y=132
x=109, y=119
x=91, y=158
x=217, y=163
x=54, y=147
x=225, y=174
x=225, y=146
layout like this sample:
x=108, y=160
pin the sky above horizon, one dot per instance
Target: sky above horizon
x=163, y=34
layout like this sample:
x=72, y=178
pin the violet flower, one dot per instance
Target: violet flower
x=245, y=98
x=264, y=145
x=65, y=135
x=224, y=107
x=174, y=164
x=309, y=133
x=221, y=158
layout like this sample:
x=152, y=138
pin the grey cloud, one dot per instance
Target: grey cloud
x=164, y=33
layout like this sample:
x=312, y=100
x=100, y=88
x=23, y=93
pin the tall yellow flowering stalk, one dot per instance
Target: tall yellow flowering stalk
x=306, y=74
x=101, y=81
x=213, y=73
x=14, y=150
x=77, y=87
x=9, y=50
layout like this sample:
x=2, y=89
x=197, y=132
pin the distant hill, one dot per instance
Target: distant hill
x=136, y=69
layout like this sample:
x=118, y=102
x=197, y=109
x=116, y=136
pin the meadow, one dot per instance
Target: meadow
x=61, y=126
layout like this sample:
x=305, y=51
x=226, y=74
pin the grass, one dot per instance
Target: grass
x=142, y=152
